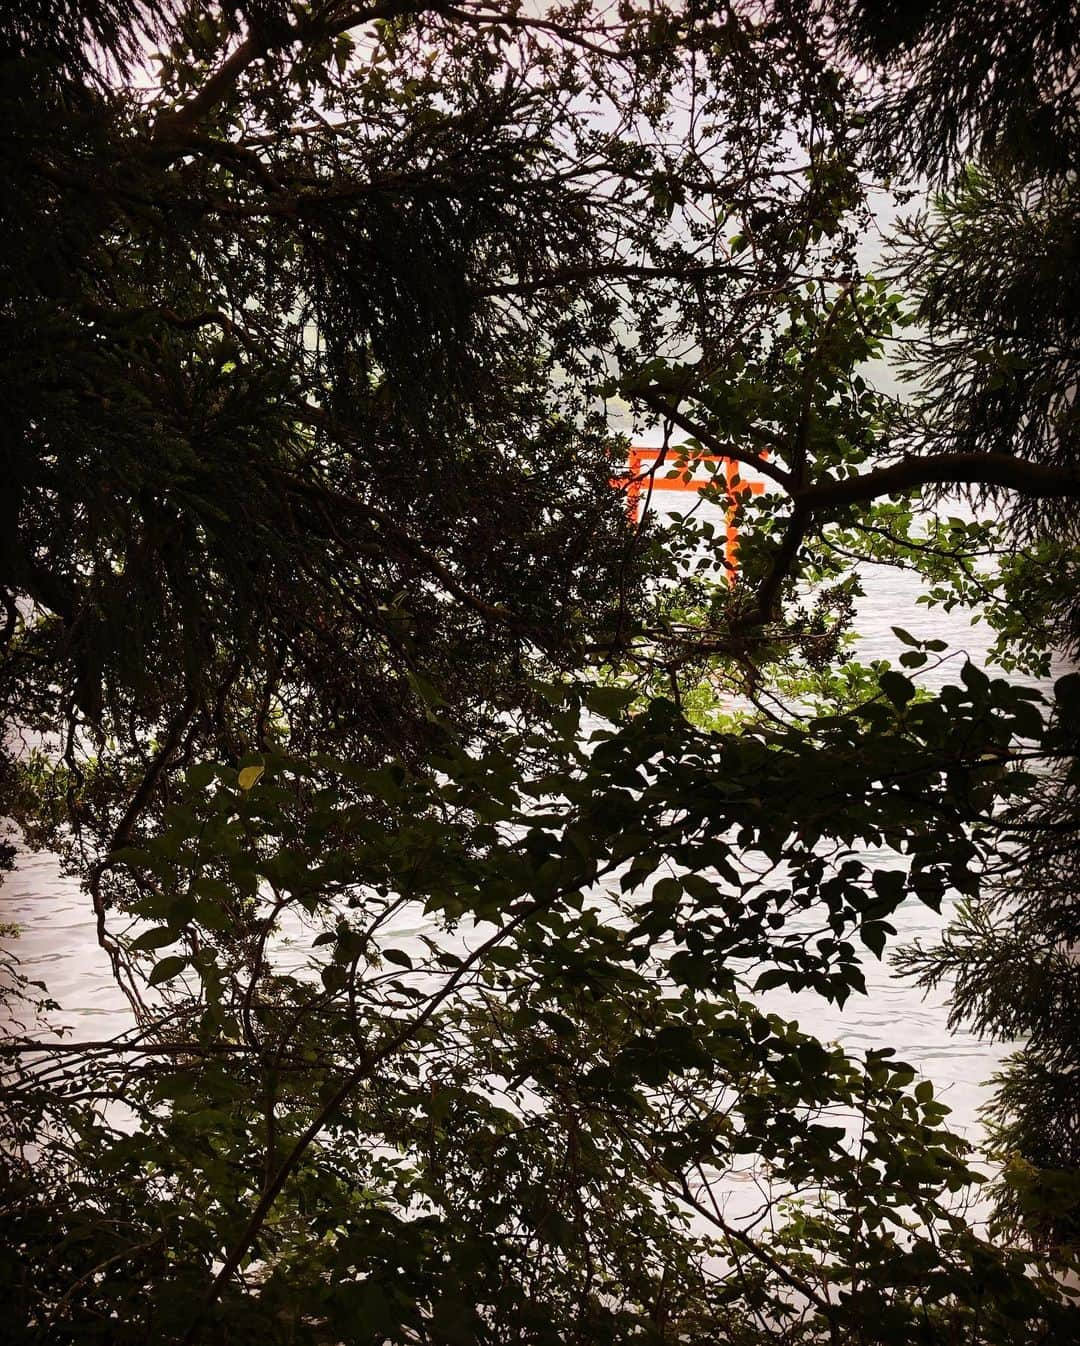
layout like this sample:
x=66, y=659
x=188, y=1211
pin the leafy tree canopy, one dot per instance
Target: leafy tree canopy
x=324, y=620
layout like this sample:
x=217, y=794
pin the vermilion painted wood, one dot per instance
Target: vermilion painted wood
x=633, y=484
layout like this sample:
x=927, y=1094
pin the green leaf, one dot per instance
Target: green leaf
x=428, y=693
x=699, y=887
x=975, y=680
x=249, y=776
x=771, y=978
x=874, y=934
x=890, y=885
x=157, y=938
x=897, y=688
x=609, y=702
x=1067, y=696
x=166, y=970
x=666, y=890
x=562, y=1026
x=201, y=775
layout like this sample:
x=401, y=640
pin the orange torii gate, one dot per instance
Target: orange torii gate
x=639, y=474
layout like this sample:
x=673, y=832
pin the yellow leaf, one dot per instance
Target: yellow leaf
x=249, y=776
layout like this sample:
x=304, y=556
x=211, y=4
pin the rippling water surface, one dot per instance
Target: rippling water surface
x=58, y=945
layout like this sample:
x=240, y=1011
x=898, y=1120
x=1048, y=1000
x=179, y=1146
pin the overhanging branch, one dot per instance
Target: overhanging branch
x=329, y=23
x=946, y=469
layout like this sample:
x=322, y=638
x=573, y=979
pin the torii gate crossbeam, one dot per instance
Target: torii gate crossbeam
x=642, y=478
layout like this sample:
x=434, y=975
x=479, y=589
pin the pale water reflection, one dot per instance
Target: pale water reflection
x=58, y=938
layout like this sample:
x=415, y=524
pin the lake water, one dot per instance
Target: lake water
x=58, y=941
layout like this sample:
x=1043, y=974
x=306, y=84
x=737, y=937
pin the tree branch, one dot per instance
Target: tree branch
x=611, y=271
x=769, y=589
x=946, y=469
x=495, y=612
x=717, y=446
x=354, y=1078
x=178, y=120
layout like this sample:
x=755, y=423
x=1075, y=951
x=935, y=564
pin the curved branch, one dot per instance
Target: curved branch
x=572, y=275
x=717, y=446
x=349, y=1084
x=946, y=469
x=178, y=120
x=788, y=549
x=121, y=837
